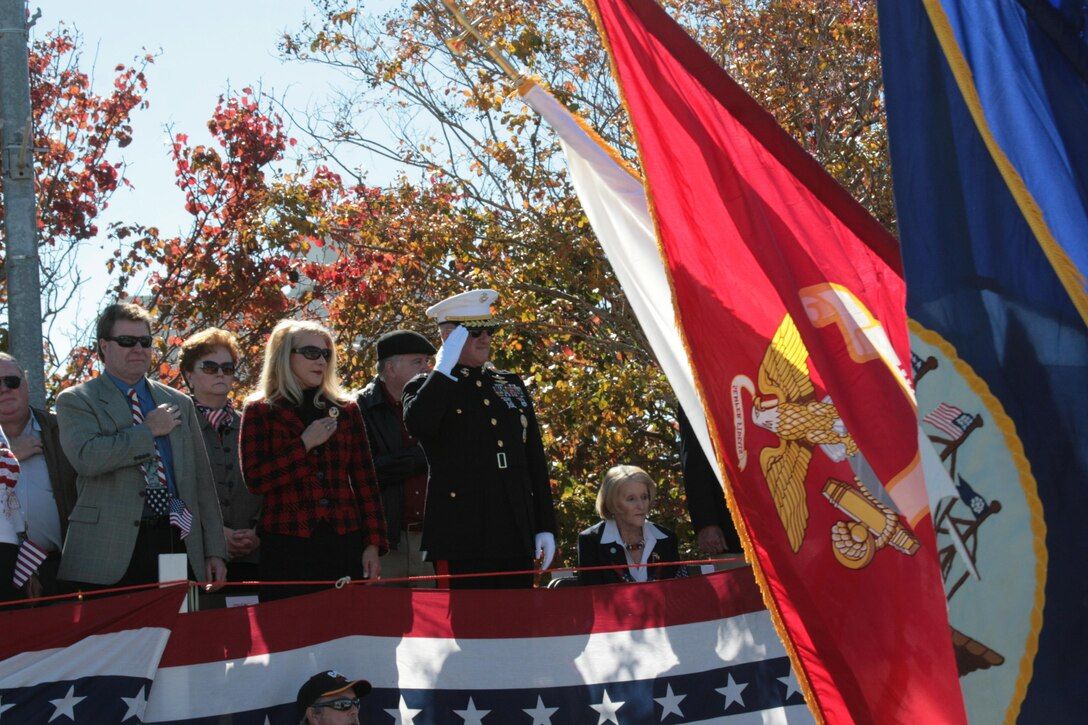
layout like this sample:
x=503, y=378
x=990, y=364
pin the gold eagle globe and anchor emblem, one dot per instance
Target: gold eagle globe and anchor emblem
x=786, y=405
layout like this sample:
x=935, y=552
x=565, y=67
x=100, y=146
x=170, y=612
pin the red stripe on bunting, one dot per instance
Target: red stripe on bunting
x=388, y=612
x=62, y=625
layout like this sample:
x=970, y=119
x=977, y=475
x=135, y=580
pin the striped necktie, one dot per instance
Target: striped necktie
x=156, y=493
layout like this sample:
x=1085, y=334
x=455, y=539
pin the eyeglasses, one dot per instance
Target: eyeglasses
x=11, y=382
x=210, y=367
x=342, y=705
x=310, y=352
x=477, y=331
x=143, y=341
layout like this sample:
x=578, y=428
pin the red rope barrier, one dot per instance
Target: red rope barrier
x=91, y=593
x=394, y=580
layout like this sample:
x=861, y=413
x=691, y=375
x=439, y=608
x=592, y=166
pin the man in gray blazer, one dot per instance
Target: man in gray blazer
x=144, y=488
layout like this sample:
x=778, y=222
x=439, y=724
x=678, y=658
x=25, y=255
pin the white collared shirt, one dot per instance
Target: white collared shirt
x=650, y=536
x=35, y=492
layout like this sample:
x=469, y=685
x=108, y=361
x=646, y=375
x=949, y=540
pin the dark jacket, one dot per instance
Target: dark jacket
x=333, y=482
x=241, y=508
x=591, y=552
x=488, y=490
x=702, y=491
x=392, y=460
x=61, y=473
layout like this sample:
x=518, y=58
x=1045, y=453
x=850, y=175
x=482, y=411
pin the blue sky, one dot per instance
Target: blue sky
x=203, y=48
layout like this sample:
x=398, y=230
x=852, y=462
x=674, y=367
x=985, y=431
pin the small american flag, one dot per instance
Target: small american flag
x=950, y=420
x=30, y=557
x=180, y=516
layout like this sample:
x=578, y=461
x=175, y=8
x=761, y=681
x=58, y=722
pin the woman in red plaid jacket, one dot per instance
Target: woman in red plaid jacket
x=303, y=447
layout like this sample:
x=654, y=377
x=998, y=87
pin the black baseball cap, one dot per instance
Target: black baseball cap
x=327, y=683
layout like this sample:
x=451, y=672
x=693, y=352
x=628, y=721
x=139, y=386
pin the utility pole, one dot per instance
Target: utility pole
x=20, y=213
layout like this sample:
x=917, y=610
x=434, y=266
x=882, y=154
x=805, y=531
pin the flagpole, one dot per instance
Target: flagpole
x=471, y=31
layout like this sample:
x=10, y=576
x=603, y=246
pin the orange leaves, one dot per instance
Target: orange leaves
x=78, y=130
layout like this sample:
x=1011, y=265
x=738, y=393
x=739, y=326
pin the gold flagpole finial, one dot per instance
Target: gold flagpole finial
x=459, y=43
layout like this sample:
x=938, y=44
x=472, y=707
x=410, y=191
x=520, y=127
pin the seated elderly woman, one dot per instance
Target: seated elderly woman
x=625, y=535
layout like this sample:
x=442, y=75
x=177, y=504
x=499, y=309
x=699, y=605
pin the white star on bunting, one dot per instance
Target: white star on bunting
x=607, y=710
x=66, y=706
x=403, y=715
x=790, y=681
x=732, y=691
x=4, y=708
x=136, y=705
x=472, y=715
x=541, y=715
x=670, y=703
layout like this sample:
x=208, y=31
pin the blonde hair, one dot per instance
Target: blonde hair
x=610, y=487
x=277, y=381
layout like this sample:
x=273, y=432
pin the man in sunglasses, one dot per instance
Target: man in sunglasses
x=329, y=698
x=47, y=481
x=398, y=458
x=145, y=484
x=489, y=505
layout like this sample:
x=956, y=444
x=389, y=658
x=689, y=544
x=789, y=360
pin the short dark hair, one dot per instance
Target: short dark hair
x=205, y=342
x=115, y=313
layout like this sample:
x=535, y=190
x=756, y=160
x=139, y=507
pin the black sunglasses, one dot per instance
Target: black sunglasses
x=211, y=367
x=131, y=340
x=11, y=382
x=342, y=705
x=477, y=331
x=311, y=352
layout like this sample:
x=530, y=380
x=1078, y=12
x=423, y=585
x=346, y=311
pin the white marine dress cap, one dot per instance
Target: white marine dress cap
x=471, y=309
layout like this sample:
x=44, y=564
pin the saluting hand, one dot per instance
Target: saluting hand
x=318, y=432
x=163, y=419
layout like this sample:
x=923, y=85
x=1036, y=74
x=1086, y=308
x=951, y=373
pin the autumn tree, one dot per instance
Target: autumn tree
x=76, y=133
x=509, y=217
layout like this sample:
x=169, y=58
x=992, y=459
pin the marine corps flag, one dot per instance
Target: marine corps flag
x=790, y=301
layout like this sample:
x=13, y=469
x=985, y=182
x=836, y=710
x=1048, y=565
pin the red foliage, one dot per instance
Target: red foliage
x=77, y=128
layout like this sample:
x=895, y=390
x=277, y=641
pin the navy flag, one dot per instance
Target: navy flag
x=987, y=108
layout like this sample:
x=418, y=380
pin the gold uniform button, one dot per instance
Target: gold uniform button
x=494, y=422
x=501, y=444
x=487, y=401
x=453, y=494
x=458, y=411
x=479, y=383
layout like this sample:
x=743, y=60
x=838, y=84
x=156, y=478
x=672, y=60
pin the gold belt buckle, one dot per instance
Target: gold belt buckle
x=501, y=458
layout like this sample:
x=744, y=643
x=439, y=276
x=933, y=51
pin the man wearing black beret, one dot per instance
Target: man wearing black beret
x=398, y=458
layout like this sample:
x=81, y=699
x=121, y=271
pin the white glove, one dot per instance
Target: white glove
x=545, y=548
x=450, y=352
